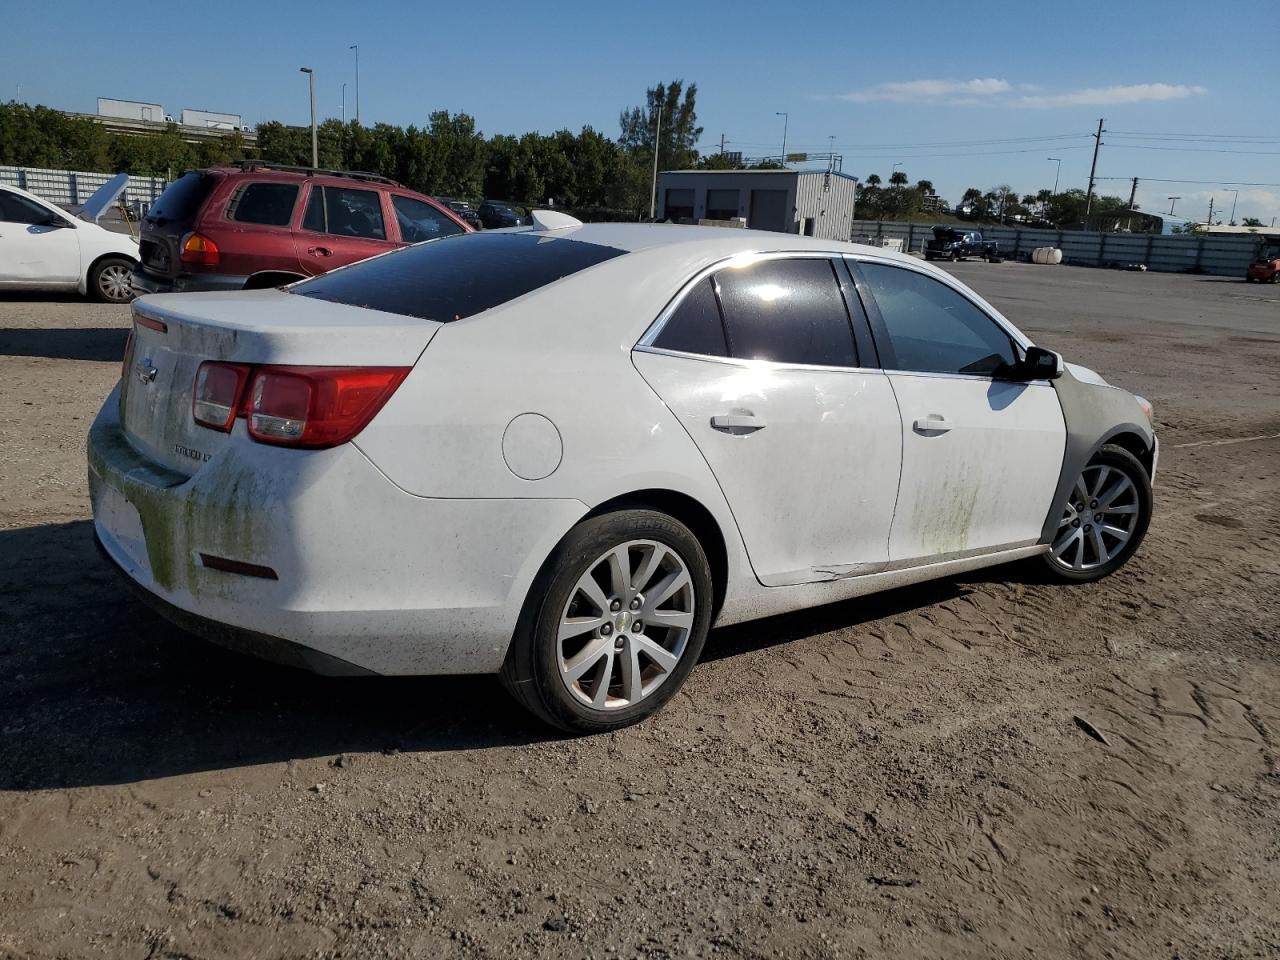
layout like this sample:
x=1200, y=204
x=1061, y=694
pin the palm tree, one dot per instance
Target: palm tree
x=873, y=180
x=898, y=179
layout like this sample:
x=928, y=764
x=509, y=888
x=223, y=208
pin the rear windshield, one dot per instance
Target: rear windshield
x=456, y=277
x=182, y=199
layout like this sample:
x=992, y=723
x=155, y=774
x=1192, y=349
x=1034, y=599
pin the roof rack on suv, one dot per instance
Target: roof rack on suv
x=250, y=165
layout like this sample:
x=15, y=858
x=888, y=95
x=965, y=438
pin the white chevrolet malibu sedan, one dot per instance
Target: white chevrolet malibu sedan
x=562, y=453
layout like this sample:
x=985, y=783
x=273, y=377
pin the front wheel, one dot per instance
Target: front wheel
x=613, y=624
x=1105, y=518
x=111, y=280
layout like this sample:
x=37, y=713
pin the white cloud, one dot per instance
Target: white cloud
x=1105, y=96
x=924, y=90
x=993, y=91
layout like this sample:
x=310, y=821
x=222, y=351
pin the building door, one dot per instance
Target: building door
x=768, y=210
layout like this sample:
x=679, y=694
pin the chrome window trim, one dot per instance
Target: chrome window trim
x=941, y=276
x=750, y=363
x=655, y=328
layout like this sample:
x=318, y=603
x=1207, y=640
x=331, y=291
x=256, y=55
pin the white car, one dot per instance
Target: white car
x=564, y=452
x=42, y=247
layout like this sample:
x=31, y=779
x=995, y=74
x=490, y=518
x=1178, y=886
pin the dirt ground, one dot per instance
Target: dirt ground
x=974, y=768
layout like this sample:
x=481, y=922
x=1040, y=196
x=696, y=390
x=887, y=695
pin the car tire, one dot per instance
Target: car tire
x=1083, y=537
x=581, y=618
x=110, y=280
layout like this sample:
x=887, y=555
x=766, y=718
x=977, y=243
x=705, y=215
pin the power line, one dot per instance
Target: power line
x=1250, y=153
x=1210, y=136
x=936, y=143
x=1210, y=183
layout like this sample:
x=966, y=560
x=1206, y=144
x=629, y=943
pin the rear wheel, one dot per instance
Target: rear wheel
x=614, y=623
x=111, y=280
x=1105, y=518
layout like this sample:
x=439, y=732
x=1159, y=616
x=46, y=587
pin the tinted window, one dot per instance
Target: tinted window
x=694, y=326
x=181, y=200
x=345, y=212
x=268, y=203
x=788, y=311
x=421, y=221
x=457, y=277
x=934, y=329
x=16, y=209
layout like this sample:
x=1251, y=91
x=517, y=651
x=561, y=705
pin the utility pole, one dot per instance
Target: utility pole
x=722, y=144
x=356, y=48
x=1132, y=196
x=1088, y=200
x=786, y=118
x=1209, y=223
x=315, y=143
x=1234, y=198
x=344, y=104
x=1172, y=202
x=653, y=196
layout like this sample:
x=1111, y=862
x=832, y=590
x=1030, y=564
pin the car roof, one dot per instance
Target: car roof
x=714, y=242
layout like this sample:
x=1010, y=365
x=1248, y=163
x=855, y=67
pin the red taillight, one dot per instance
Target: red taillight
x=316, y=406
x=200, y=249
x=216, y=398
x=293, y=406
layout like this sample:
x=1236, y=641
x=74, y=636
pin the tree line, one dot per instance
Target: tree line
x=445, y=156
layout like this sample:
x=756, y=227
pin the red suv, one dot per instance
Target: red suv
x=260, y=225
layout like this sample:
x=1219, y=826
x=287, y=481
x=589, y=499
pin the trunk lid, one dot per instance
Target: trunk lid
x=253, y=327
x=172, y=217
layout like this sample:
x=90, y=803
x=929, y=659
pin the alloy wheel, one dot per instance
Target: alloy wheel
x=626, y=625
x=1099, y=519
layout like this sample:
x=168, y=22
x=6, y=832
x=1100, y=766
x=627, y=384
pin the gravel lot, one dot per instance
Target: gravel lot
x=983, y=767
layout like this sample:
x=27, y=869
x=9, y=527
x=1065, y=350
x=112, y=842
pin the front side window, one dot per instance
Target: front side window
x=420, y=221
x=345, y=212
x=16, y=209
x=270, y=204
x=787, y=311
x=932, y=328
x=695, y=326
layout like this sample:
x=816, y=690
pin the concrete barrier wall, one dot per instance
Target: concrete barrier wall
x=1217, y=254
x=70, y=188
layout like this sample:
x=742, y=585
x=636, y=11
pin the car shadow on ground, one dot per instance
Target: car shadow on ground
x=96, y=689
x=65, y=343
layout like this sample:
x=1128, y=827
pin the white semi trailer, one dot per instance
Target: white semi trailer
x=132, y=110
x=210, y=120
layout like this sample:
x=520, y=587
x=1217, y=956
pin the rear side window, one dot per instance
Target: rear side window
x=345, y=212
x=182, y=199
x=457, y=277
x=16, y=209
x=420, y=221
x=787, y=311
x=933, y=329
x=695, y=325
x=266, y=203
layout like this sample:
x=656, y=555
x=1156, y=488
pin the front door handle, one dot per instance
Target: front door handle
x=933, y=423
x=738, y=424
x=319, y=251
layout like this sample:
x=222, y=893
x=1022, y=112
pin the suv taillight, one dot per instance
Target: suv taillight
x=293, y=406
x=197, y=248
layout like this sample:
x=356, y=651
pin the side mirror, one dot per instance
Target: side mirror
x=1040, y=364
x=53, y=221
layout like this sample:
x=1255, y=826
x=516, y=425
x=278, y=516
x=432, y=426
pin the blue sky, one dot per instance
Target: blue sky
x=959, y=93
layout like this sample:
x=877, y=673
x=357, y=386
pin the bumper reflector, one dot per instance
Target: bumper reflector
x=237, y=566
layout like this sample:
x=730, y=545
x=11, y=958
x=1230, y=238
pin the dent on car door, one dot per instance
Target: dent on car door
x=32, y=249
x=759, y=364
x=981, y=454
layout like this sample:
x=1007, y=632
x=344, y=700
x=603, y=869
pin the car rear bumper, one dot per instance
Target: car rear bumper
x=368, y=578
x=145, y=282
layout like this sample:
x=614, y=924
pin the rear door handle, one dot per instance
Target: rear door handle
x=738, y=424
x=933, y=423
x=319, y=251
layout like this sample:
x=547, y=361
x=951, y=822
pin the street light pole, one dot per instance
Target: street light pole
x=315, y=142
x=786, y=118
x=344, y=104
x=1056, y=174
x=356, y=48
x=1234, y=198
x=653, y=195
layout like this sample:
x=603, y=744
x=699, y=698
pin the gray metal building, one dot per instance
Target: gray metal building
x=816, y=203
